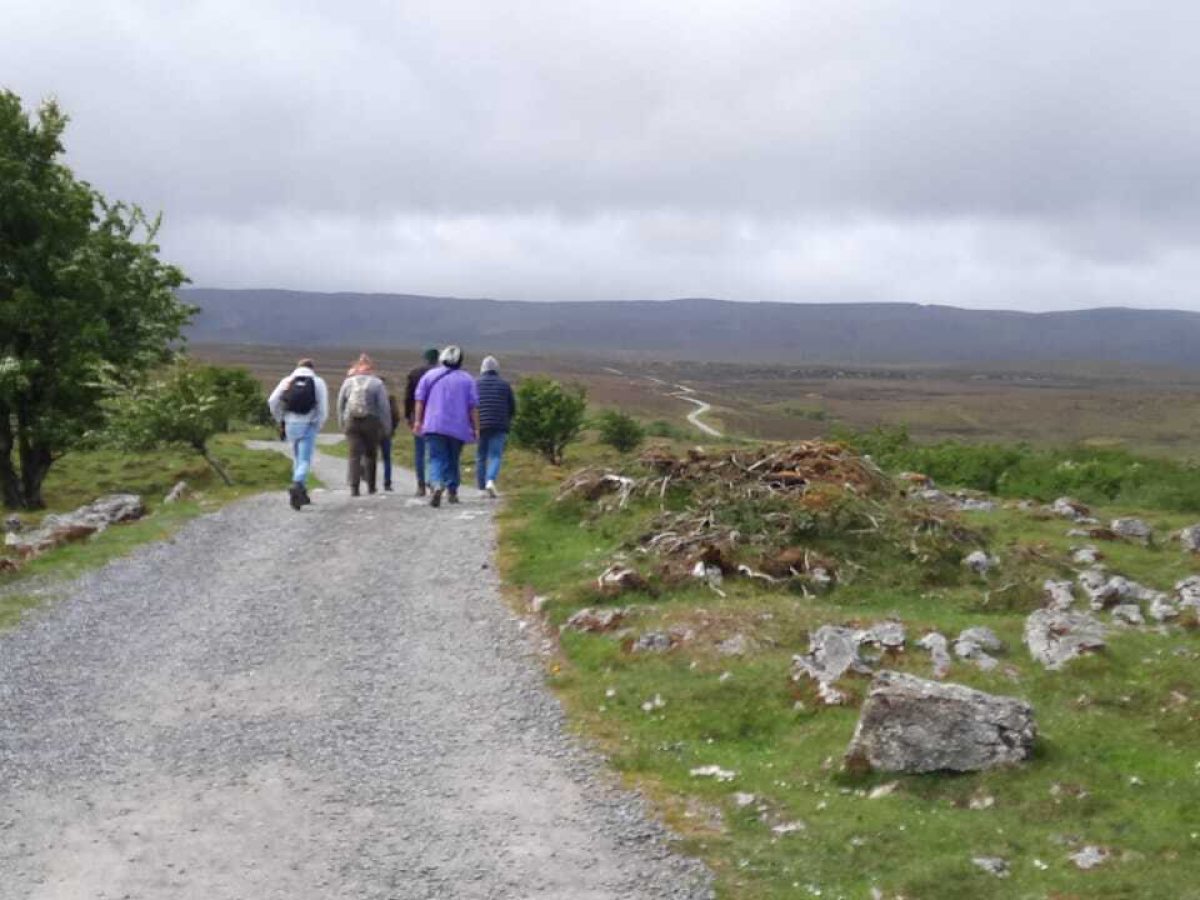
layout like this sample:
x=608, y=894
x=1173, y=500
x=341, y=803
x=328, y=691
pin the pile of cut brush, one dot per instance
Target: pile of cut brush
x=775, y=513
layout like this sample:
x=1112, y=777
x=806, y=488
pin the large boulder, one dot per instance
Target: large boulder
x=83, y=522
x=913, y=725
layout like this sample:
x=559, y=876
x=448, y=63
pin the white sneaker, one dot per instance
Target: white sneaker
x=491, y=489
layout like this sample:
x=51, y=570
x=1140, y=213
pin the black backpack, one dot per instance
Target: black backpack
x=301, y=395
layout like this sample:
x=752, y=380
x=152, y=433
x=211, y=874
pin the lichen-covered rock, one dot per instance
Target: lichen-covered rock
x=176, y=493
x=1058, y=594
x=1055, y=637
x=979, y=562
x=83, y=522
x=975, y=643
x=1162, y=609
x=1128, y=614
x=832, y=651
x=1069, y=508
x=597, y=620
x=887, y=635
x=913, y=725
x=1188, y=592
x=937, y=645
x=1189, y=538
x=1087, y=555
x=1133, y=529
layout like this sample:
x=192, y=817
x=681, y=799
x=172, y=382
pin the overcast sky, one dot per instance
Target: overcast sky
x=1029, y=155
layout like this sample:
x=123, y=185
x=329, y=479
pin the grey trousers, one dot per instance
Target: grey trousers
x=363, y=435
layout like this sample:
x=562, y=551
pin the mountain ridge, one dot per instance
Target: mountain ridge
x=699, y=328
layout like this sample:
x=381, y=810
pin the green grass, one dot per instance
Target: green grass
x=1131, y=713
x=78, y=478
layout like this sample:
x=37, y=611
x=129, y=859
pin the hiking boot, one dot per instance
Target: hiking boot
x=491, y=489
x=296, y=495
x=420, y=489
x=304, y=498
x=388, y=487
x=453, y=498
x=370, y=488
x=354, y=491
x=435, y=499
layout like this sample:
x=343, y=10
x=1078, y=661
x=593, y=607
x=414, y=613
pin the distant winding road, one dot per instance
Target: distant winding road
x=683, y=392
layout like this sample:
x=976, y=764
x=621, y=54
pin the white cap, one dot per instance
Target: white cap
x=489, y=364
x=451, y=356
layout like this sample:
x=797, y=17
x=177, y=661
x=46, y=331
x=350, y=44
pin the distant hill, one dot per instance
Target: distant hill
x=700, y=329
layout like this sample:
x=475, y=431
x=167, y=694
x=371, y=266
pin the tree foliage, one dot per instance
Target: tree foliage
x=241, y=395
x=620, y=430
x=183, y=406
x=549, y=416
x=83, y=296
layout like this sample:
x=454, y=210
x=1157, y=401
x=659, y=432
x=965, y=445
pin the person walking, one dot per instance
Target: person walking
x=300, y=404
x=385, y=445
x=364, y=417
x=420, y=451
x=497, y=406
x=446, y=412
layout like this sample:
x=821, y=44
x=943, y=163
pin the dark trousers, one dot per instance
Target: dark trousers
x=363, y=435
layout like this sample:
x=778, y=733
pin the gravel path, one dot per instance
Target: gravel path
x=329, y=704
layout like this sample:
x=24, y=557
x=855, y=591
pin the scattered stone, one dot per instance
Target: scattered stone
x=13, y=524
x=1133, y=529
x=1058, y=594
x=1069, y=509
x=1128, y=614
x=591, y=619
x=9, y=565
x=980, y=562
x=1188, y=592
x=887, y=635
x=993, y=865
x=1087, y=555
x=1190, y=538
x=832, y=651
x=974, y=643
x=617, y=579
x=976, y=504
x=652, y=642
x=912, y=725
x=176, y=493
x=711, y=574
x=1055, y=637
x=1089, y=857
x=981, y=801
x=83, y=522
x=937, y=645
x=738, y=645
x=1104, y=590
x=1162, y=609
x=742, y=800
x=538, y=603
x=713, y=772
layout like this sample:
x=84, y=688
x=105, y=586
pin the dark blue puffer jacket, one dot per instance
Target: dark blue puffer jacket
x=497, y=405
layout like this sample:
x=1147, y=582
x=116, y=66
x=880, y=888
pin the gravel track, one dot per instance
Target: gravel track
x=330, y=704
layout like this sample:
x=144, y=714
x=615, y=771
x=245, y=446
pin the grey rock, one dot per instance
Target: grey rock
x=1058, y=594
x=83, y=522
x=1128, y=614
x=13, y=524
x=738, y=645
x=832, y=652
x=1069, y=508
x=1162, y=609
x=974, y=643
x=993, y=865
x=1055, y=637
x=937, y=646
x=652, y=642
x=176, y=493
x=913, y=725
x=1088, y=555
x=980, y=562
x=1134, y=529
x=596, y=620
x=1188, y=592
x=888, y=635
x=1189, y=538
x=1089, y=857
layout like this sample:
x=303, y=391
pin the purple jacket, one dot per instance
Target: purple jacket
x=449, y=396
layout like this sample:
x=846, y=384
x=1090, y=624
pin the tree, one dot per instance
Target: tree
x=181, y=407
x=83, y=298
x=620, y=430
x=241, y=394
x=549, y=416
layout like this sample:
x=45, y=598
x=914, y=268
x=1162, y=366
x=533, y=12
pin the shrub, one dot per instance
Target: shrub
x=241, y=395
x=620, y=431
x=549, y=416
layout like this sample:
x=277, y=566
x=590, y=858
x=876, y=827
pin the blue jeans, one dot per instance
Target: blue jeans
x=420, y=454
x=489, y=456
x=302, y=434
x=385, y=449
x=444, y=455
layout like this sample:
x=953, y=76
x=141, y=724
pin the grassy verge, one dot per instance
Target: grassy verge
x=79, y=478
x=1117, y=763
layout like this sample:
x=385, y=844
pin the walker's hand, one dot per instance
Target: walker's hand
x=417, y=428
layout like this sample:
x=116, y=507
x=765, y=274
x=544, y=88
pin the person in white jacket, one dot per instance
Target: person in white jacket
x=301, y=402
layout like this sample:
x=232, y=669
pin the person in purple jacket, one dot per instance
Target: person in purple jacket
x=447, y=414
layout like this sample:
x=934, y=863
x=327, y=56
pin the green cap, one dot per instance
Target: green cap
x=431, y=355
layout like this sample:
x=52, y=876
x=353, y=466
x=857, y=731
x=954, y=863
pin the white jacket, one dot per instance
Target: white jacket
x=318, y=415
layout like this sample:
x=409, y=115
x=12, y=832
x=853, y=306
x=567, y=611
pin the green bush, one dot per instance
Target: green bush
x=1018, y=470
x=549, y=416
x=620, y=430
x=242, y=397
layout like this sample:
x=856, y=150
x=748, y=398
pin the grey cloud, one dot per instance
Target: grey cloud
x=1019, y=153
